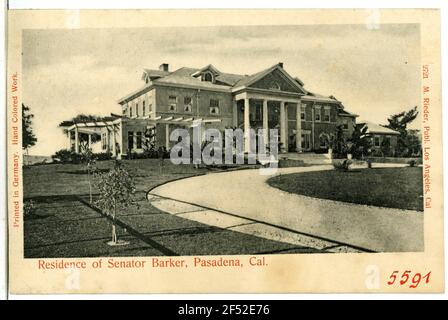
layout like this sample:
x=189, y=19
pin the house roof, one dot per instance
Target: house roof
x=376, y=128
x=346, y=113
x=224, y=81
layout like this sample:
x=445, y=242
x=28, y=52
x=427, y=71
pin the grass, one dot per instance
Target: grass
x=400, y=188
x=63, y=225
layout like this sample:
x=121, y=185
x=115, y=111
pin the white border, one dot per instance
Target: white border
x=178, y=4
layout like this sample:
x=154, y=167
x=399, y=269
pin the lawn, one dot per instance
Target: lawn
x=65, y=225
x=384, y=187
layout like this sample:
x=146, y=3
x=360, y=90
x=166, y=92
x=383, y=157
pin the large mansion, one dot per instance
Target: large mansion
x=271, y=98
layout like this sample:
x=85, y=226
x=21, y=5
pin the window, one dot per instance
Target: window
x=303, y=112
x=172, y=103
x=323, y=139
x=208, y=77
x=327, y=114
x=144, y=108
x=130, y=140
x=214, y=106
x=136, y=109
x=125, y=109
x=139, y=140
x=377, y=142
x=187, y=104
x=317, y=113
x=150, y=107
x=345, y=124
x=130, y=111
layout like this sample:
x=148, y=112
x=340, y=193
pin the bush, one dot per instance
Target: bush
x=412, y=163
x=28, y=208
x=102, y=156
x=66, y=156
x=343, y=165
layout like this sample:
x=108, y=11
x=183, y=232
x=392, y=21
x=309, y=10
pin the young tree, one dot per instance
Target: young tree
x=399, y=122
x=338, y=142
x=28, y=137
x=360, y=141
x=116, y=192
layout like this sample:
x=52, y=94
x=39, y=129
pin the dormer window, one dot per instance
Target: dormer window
x=207, y=76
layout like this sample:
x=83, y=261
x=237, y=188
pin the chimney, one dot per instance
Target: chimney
x=164, y=67
x=280, y=64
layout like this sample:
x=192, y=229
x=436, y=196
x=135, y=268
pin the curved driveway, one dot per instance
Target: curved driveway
x=245, y=193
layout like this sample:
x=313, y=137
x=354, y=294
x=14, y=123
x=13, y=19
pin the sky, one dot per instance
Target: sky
x=374, y=72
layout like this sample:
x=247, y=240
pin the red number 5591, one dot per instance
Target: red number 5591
x=415, y=279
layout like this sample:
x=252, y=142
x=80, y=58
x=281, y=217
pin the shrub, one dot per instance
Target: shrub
x=412, y=163
x=103, y=156
x=66, y=156
x=343, y=165
x=28, y=208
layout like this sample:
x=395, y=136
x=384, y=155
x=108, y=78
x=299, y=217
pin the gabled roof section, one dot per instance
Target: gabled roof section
x=376, y=128
x=153, y=74
x=249, y=80
x=343, y=112
x=321, y=98
x=210, y=68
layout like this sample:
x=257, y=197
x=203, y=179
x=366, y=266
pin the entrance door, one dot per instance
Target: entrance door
x=306, y=141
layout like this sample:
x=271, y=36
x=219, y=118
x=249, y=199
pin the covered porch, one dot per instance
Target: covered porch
x=252, y=110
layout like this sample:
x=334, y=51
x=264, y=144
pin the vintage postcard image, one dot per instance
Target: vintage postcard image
x=224, y=151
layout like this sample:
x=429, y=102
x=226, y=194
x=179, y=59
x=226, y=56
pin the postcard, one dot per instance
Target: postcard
x=224, y=151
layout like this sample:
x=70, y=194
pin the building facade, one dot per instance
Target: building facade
x=269, y=99
x=383, y=140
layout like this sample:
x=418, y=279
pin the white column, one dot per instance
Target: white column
x=167, y=135
x=107, y=140
x=90, y=141
x=235, y=113
x=114, y=151
x=283, y=126
x=246, y=126
x=69, y=139
x=265, y=122
x=76, y=140
x=299, y=127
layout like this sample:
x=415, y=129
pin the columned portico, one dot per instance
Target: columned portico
x=283, y=118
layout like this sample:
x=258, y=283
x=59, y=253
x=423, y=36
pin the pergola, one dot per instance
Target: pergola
x=95, y=127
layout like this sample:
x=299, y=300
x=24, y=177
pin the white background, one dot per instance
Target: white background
x=139, y=4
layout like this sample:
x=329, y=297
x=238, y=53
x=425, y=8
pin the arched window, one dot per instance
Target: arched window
x=208, y=77
x=324, y=140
